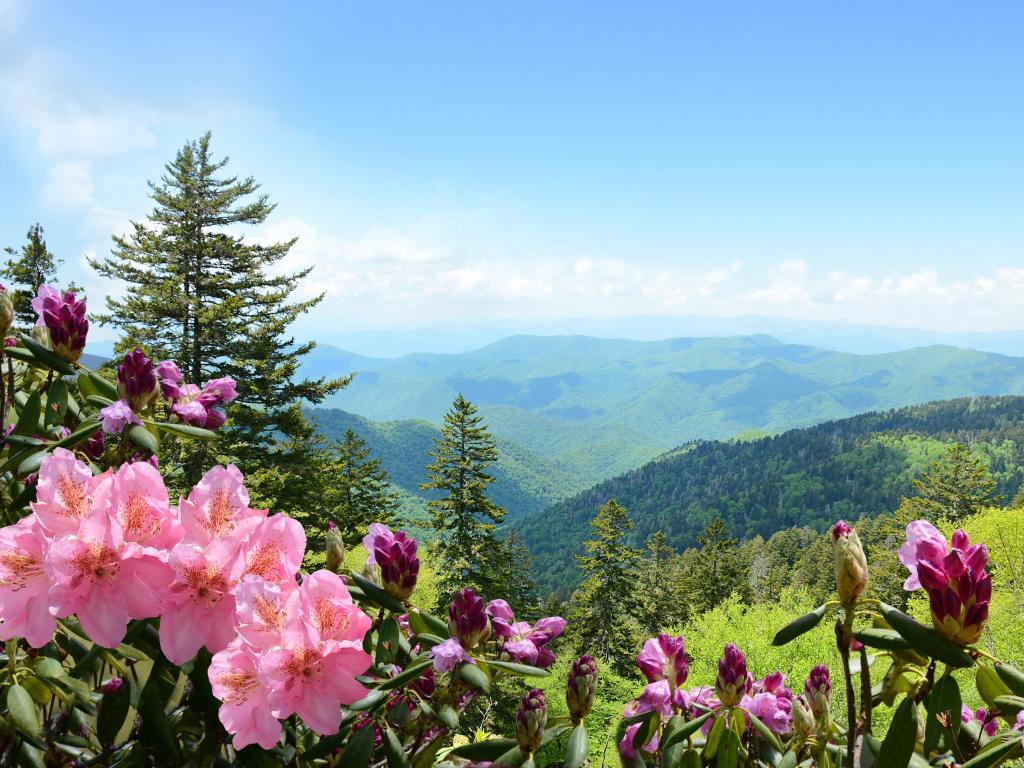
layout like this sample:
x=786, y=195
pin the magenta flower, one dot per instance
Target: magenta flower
x=664, y=658
x=988, y=724
x=224, y=389
x=136, y=380
x=64, y=317
x=198, y=606
x=103, y=580
x=170, y=377
x=958, y=587
x=24, y=585
x=733, y=681
x=772, y=710
x=313, y=678
x=196, y=406
x=244, y=710
x=395, y=556
x=218, y=507
x=64, y=492
x=531, y=719
x=581, y=687
x=117, y=417
x=467, y=618
x=502, y=618
x=818, y=688
x=448, y=655
x=1019, y=725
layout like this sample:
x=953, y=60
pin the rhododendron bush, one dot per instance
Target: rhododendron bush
x=142, y=629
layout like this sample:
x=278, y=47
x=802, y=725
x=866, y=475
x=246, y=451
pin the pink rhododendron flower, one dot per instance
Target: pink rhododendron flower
x=46, y=297
x=218, y=507
x=774, y=711
x=1019, y=725
x=24, y=585
x=244, y=710
x=502, y=618
x=923, y=541
x=117, y=417
x=103, y=580
x=136, y=499
x=64, y=493
x=273, y=550
x=448, y=655
x=263, y=610
x=199, y=608
x=664, y=658
x=989, y=725
x=311, y=677
x=328, y=607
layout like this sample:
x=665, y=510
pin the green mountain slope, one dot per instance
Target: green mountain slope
x=524, y=482
x=854, y=467
x=603, y=406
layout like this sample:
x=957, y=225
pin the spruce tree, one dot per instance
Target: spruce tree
x=359, y=493
x=463, y=518
x=954, y=487
x=664, y=599
x=605, y=606
x=513, y=565
x=718, y=571
x=30, y=267
x=200, y=294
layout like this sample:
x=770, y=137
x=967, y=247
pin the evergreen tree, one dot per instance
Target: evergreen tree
x=718, y=571
x=957, y=486
x=34, y=265
x=665, y=602
x=201, y=295
x=360, y=493
x=463, y=518
x=513, y=565
x=605, y=605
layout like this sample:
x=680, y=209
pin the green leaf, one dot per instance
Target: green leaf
x=56, y=403
x=186, y=430
x=428, y=624
x=46, y=356
x=475, y=677
x=28, y=416
x=522, y=670
x=80, y=435
x=407, y=675
x=799, y=626
x=98, y=401
x=378, y=595
x=714, y=737
x=1012, y=677
x=766, y=733
x=691, y=759
x=49, y=668
x=23, y=710
x=788, y=761
x=1011, y=705
x=491, y=749
x=360, y=749
x=448, y=716
x=576, y=747
x=32, y=463
x=394, y=751
x=995, y=753
x=886, y=639
x=898, y=745
x=24, y=440
x=21, y=354
x=371, y=700
x=925, y=640
x=143, y=438
x=103, y=387
x=943, y=702
x=687, y=729
x=990, y=685
x=728, y=751
x=111, y=714
x=511, y=759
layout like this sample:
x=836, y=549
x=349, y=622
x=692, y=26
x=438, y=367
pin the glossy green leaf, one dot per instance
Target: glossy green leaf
x=393, y=750
x=996, y=752
x=360, y=749
x=1012, y=677
x=428, y=624
x=1011, y=705
x=799, y=626
x=103, y=387
x=56, y=403
x=990, y=685
x=926, y=640
x=186, y=430
x=714, y=737
x=23, y=710
x=576, y=747
x=898, y=745
x=28, y=416
x=766, y=733
x=942, y=705
x=687, y=729
x=378, y=595
x=728, y=754
x=80, y=435
x=31, y=463
x=49, y=669
x=110, y=716
x=407, y=675
x=886, y=639
x=475, y=677
x=46, y=356
x=448, y=716
x=372, y=699
x=690, y=759
x=511, y=759
x=788, y=761
x=491, y=749
x=98, y=401
x=24, y=441
x=522, y=670
x=143, y=438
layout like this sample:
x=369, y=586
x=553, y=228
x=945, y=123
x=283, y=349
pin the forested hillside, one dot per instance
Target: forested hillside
x=605, y=406
x=851, y=468
x=524, y=482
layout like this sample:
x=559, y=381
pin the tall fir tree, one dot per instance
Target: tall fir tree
x=717, y=571
x=28, y=268
x=359, y=491
x=513, y=564
x=605, y=606
x=954, y=487
x=198, y=293
x=665, y=602
x=466, y=549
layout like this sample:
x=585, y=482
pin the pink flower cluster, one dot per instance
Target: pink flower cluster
x=64, y=317
x=110, y=549
x=953, y=575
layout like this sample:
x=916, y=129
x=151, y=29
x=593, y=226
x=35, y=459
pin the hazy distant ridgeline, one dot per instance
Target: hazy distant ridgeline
x=855, y=467
x=603, y=406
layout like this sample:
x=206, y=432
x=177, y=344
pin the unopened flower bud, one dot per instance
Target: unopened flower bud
x=531, y=719
x=582, y=685
x=467, y=618
x=733, y=680
x=112, y=687
x=818, y=689
x=851, y=564
x=803, y=718
x=64, y=317
x=399, y=565
x=41, y=335
x=6, y=310
x=136, y=380
x=335, y=549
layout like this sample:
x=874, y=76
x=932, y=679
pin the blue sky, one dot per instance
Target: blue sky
x=454, y=163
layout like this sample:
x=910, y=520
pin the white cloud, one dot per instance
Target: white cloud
x=70, y=184
x=82, y=134
x=787, y=285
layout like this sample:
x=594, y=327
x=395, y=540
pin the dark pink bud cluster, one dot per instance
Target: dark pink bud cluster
x=733, y=681
x=531, y=719
x=136, y=380
x=467, y=619
x=112, y=687
x=818, y=690
x=399, y=565
x=953, y=575
x=519, y=640
x=581, y=687
x=64, y=317
x=664, y=658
